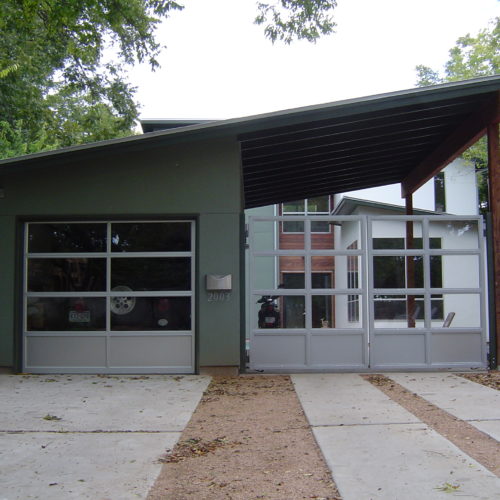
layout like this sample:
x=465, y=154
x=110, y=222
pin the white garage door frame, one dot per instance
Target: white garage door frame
x=104, y=350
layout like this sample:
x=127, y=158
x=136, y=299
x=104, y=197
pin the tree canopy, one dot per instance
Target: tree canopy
x=471, y=57
x=57, y=87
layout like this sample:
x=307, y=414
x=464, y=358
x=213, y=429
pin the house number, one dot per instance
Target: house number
x=219, y=297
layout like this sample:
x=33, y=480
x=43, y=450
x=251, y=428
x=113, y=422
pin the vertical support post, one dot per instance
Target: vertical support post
x=410, y=265
x=494, y=208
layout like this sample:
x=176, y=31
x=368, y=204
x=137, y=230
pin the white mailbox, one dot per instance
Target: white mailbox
x=219, y=282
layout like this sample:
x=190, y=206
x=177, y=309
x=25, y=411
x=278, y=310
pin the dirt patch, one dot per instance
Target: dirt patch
x=483, y=448
x=490, y=379
x=248, y=439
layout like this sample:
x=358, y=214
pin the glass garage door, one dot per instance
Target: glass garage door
x=109, y=297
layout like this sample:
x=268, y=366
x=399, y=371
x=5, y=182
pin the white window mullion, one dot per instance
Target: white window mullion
x=108, y=297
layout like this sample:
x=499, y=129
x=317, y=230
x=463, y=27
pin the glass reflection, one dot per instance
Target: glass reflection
x=66, y=275
x=152, y=274
x=66, y=237
x=151, y=237
x=322, y=311
x=152, y=313
x=66, y=314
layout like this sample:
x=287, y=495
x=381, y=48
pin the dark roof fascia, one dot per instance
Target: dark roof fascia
x=348, y=204
x=238, y=126
x=153, y=125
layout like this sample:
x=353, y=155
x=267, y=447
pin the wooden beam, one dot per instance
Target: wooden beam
x=494, y=208
x=453, y=146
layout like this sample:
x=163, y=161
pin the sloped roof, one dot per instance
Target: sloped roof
x=403, y=136
x=349, y=204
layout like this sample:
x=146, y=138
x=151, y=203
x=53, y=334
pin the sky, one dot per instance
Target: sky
x=217, y=64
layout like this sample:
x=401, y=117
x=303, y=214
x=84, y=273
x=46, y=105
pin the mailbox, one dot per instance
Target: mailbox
x=219, y=282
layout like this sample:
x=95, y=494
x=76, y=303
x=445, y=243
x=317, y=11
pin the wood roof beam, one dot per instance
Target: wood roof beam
x=469, y=132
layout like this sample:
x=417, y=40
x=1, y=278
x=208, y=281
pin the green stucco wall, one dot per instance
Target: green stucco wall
x=198, y=180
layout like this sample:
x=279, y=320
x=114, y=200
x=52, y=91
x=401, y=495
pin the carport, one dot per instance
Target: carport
x=404, y=137
x=205, y=175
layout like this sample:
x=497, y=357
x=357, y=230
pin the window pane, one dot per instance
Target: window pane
x=280, y=312
x=439, y=193
x=264, y=272
x=321, y=280
x=294, y=312
x=267, y=311
x=460, y=271
x=322, y=311
x=319, y=204
x=151, y=313
x=401, y=308
x=151, y=237
x=291, y=264
x=294, y=206
x=389, y=272
x=66, y=314
x=388, y=243
x=293, y=226
x=155, y=273
x=320, y=226
x=62, y=237
x=293, y=280
x=391, y=308
x=456, y=234
x=66, y=275
x=466, y=309
x=325, y=263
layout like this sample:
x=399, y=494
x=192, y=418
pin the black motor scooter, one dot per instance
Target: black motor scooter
x=269, y=316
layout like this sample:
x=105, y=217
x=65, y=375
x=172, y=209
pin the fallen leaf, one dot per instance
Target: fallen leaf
x=448, y=487
x=51, y=417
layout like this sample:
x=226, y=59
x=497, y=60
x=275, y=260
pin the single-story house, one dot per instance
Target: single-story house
x=127, y=256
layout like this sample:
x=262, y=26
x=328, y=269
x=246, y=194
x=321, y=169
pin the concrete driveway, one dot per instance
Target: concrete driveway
x=84, y=436
x=378, y=450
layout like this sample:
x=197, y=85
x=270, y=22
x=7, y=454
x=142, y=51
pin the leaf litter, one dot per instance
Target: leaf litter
x=247, y=439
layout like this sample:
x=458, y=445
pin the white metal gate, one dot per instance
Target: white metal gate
x=367, y=292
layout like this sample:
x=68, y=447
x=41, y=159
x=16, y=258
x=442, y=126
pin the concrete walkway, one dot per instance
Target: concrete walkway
x=378, y=450
x=82, y=436
x=475, y=403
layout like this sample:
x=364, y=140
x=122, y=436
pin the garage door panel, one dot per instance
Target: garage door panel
x=149, y=350
x=338, y=350
x=391, y=349
x=279, y=350
x=74, y=351
x=451, y=347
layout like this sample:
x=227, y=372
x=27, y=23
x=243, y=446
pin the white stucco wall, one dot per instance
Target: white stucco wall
x=460, y=191
x=461, y=188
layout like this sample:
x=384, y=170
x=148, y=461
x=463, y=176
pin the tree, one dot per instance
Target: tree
x=56, y=89
x=286, y=20
x=53, y=82
x=470, y=58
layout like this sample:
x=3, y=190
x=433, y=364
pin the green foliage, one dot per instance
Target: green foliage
x=53, y=81
x=471, y=57
x=56, y=88
x=287, y=20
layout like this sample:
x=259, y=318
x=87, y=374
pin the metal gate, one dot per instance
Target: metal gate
x=366, y=293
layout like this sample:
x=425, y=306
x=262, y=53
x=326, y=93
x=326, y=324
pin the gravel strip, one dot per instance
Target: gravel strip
x=481, y=447
x=248, y=439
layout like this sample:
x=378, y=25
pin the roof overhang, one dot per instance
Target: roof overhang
x=349, y=204
x=401, y=137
